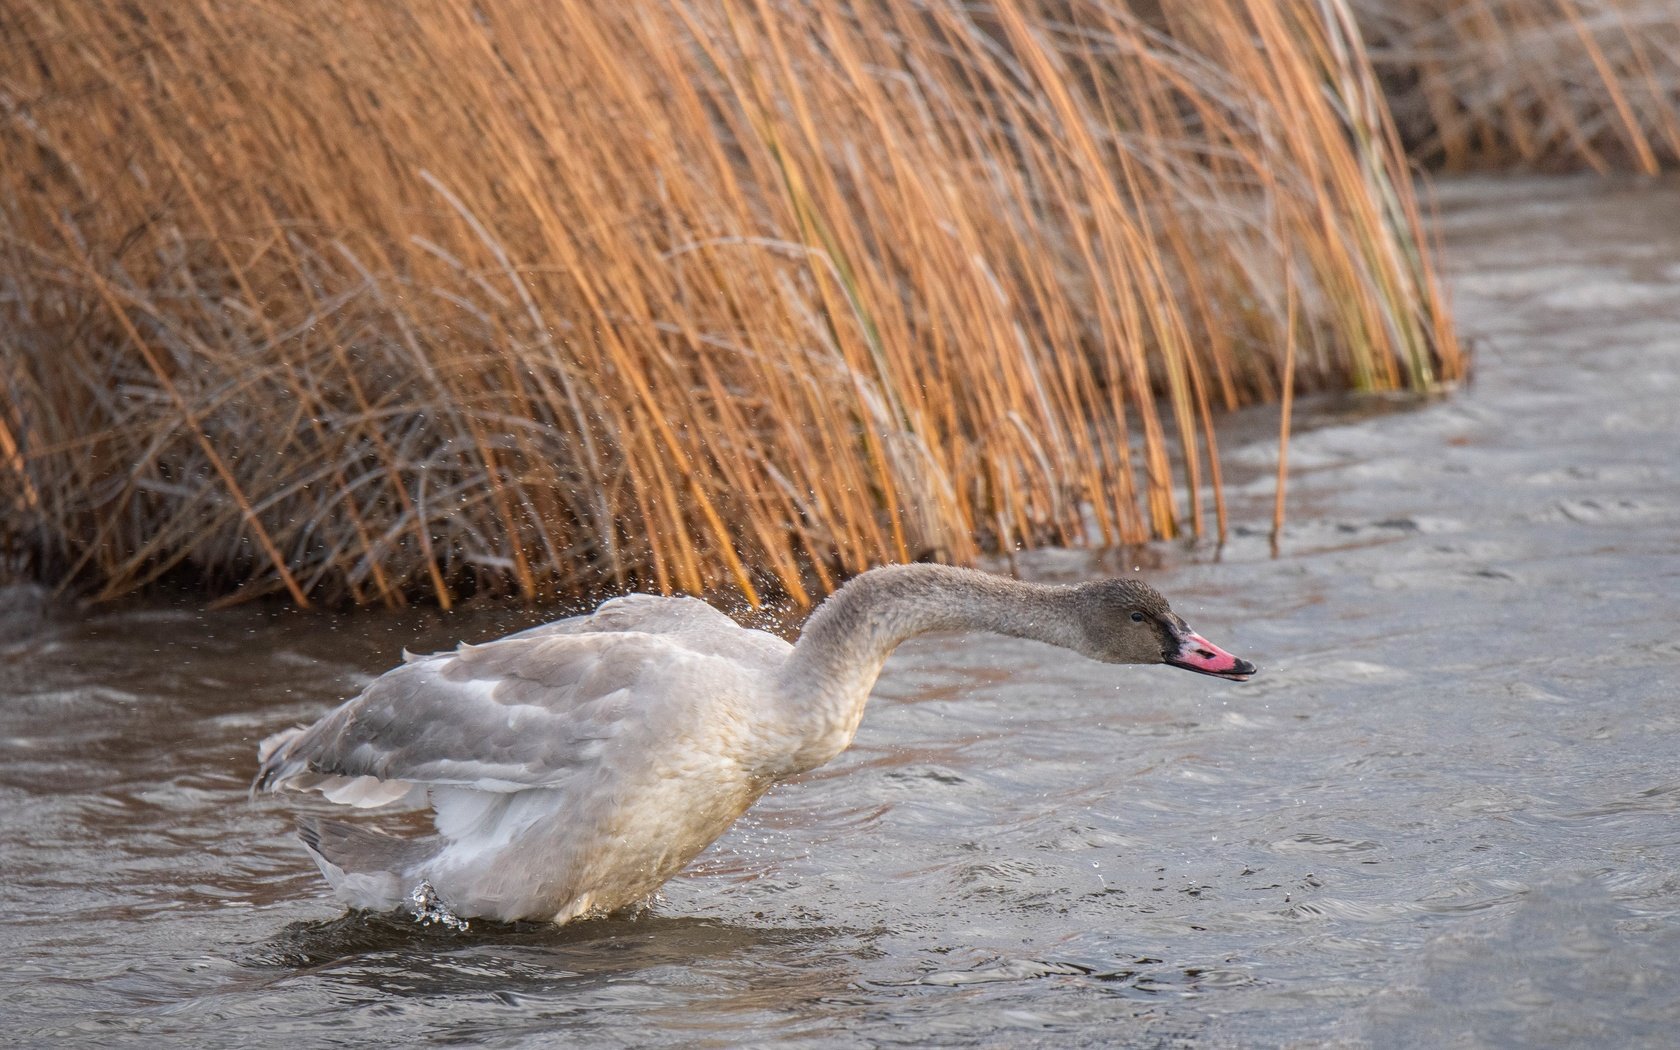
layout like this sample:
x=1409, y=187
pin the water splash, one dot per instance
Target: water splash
x=429, y=908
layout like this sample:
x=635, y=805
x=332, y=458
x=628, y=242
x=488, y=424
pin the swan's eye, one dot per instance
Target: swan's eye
x=1137, y=617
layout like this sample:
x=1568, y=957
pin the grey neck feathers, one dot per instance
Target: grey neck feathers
x=848, y=638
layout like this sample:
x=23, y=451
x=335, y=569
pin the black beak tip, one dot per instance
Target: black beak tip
x=1239, y=671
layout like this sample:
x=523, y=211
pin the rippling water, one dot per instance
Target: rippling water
x=1445, y=814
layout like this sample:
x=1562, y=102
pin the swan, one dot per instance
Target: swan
x=573, y=768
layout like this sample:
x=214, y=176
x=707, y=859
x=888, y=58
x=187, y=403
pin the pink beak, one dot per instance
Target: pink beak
x=1196, y=653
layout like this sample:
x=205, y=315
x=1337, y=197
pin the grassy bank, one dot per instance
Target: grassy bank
x=415, y=300
x=1537, y=84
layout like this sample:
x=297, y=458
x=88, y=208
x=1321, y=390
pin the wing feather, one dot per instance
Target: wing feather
x=502, y=724
x=526, y=711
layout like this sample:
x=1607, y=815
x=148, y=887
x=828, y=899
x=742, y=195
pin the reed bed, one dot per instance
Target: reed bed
x=1541, y=84
x=423, y=299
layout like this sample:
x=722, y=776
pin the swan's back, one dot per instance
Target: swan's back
x=595, y=751
x=680, y=617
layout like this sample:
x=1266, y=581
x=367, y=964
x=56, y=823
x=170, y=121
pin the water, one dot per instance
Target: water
x=1444, y=815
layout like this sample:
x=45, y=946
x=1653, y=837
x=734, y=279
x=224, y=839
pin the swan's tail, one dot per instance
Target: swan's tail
x=367, y=869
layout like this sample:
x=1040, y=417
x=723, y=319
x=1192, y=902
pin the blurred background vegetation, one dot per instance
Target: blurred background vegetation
x=420, y=300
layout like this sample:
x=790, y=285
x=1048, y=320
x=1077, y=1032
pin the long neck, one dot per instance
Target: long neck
x=826, y=680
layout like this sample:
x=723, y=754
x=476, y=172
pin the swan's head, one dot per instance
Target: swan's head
x=1128, y=622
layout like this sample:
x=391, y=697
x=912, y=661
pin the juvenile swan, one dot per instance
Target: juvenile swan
x=576, y=766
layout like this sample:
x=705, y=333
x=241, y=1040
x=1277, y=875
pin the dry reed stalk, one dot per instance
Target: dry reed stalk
x=423, y=299
x=1538, y=83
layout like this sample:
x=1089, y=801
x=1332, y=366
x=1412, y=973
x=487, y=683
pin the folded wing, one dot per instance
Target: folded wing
x=525, y=711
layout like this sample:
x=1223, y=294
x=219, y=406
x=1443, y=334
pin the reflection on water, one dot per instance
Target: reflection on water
x=1444, y=815
x=542, y=970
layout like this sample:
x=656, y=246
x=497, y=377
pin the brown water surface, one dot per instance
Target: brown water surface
x=1445, y=813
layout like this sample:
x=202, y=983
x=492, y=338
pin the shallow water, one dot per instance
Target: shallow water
x=1444, y=814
